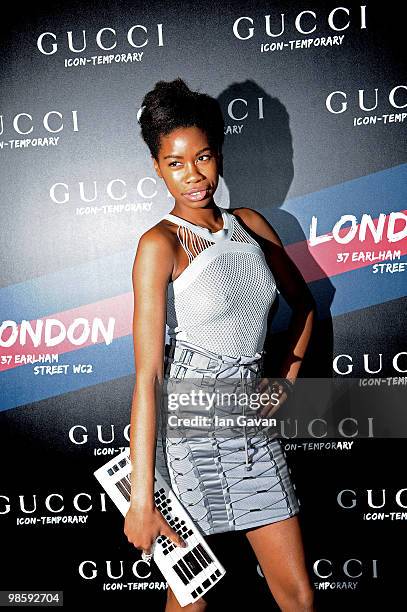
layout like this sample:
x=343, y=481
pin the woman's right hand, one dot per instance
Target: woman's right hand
x=142, y=525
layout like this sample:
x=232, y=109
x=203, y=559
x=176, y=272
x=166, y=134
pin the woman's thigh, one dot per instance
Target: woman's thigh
x=172, y=604
x=280, y=552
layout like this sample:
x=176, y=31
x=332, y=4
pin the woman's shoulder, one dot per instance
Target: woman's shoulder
x=249, y=216
x=243, y=212
x=158, y=239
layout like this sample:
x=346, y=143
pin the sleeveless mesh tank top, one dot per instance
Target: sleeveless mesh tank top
x=221, y=300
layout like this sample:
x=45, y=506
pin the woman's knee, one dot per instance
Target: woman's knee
x=306, y=598
x=301, y=599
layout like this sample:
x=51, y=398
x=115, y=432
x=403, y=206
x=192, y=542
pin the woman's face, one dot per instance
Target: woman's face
x=188, y=166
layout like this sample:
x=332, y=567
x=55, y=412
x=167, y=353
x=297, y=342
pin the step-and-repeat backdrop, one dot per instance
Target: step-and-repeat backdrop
x=314, y=97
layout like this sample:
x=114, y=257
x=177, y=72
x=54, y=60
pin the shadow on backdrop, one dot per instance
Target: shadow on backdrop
x=258, y=170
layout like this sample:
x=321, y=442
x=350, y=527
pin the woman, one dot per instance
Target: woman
x=211, y=274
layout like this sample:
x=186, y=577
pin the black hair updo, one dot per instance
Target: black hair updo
x=171, y=105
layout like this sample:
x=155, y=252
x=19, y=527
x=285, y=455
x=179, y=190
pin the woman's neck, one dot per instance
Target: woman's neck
x=207, y=216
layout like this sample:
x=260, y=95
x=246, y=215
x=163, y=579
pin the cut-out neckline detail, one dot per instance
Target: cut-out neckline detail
x=197, y=240
x=224, y=232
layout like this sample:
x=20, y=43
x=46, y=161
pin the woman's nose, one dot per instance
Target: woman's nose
x=192, y=171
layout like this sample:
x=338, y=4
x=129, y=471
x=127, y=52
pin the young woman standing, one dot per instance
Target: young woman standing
x=212, y=274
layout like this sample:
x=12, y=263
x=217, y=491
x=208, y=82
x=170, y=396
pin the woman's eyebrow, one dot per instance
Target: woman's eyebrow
x=181, y=156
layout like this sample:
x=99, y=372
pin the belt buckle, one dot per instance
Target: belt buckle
x=199, y=360
x=208, y=380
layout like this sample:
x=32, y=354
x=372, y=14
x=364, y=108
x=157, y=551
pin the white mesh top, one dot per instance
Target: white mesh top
x=222, y=299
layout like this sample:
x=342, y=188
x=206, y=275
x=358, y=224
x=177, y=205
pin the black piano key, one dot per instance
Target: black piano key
x=194, y=594
x=186, y=569
x=193, y=563
x=200, y=557
x=217, y=573
x=180, y=574
x=126, y=483
x=123, y=490
x=204, y=553
x=206, y=583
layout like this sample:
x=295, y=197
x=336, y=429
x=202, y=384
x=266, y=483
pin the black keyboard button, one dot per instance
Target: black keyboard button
x=200, y=557
x=180, y=574
x=185, y=569
x=192, y=563
x=204, y=553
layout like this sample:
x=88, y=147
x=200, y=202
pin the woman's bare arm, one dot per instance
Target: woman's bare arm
x=292, y=287
x=152, y=271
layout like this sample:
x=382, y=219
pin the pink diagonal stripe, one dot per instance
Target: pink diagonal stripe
x=320, y=261
x=119, y=307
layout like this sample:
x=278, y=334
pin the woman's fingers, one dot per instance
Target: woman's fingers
x=143, y=534
x=171, y=534
x=263, y=385
x=269, y=409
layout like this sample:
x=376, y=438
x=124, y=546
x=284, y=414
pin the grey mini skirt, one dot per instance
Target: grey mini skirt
x=230, y=478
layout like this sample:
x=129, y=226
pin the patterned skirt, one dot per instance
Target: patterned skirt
x=227, y=478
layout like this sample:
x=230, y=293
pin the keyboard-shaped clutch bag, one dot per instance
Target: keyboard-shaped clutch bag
x=189, y=571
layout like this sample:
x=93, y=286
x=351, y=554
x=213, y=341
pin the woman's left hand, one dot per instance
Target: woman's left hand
x=277, y=395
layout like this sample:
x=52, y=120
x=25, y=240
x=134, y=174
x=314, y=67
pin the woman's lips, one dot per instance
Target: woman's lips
x=197, y=195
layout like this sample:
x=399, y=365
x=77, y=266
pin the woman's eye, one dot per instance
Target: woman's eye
x=172, y=164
